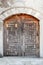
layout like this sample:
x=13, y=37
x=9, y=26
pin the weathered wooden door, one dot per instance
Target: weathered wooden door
x=21, y=36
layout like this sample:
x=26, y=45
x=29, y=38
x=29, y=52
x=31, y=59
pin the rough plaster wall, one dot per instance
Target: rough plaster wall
x=37, y=5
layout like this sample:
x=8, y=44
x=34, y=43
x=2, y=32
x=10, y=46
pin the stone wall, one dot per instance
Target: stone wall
x=35, y=4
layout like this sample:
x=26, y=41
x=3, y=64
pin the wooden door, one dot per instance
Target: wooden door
x=21, y=36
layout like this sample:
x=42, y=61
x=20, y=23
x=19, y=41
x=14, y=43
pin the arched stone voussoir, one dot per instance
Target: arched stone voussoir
x=18, y=10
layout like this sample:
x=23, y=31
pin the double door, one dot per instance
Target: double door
x=21, y=39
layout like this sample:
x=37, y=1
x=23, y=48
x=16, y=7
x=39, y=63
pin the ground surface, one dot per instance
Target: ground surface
x=20, y=61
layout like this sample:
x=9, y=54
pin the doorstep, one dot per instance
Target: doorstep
x=21, y=61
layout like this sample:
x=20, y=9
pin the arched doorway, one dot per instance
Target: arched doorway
x=21, y=35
